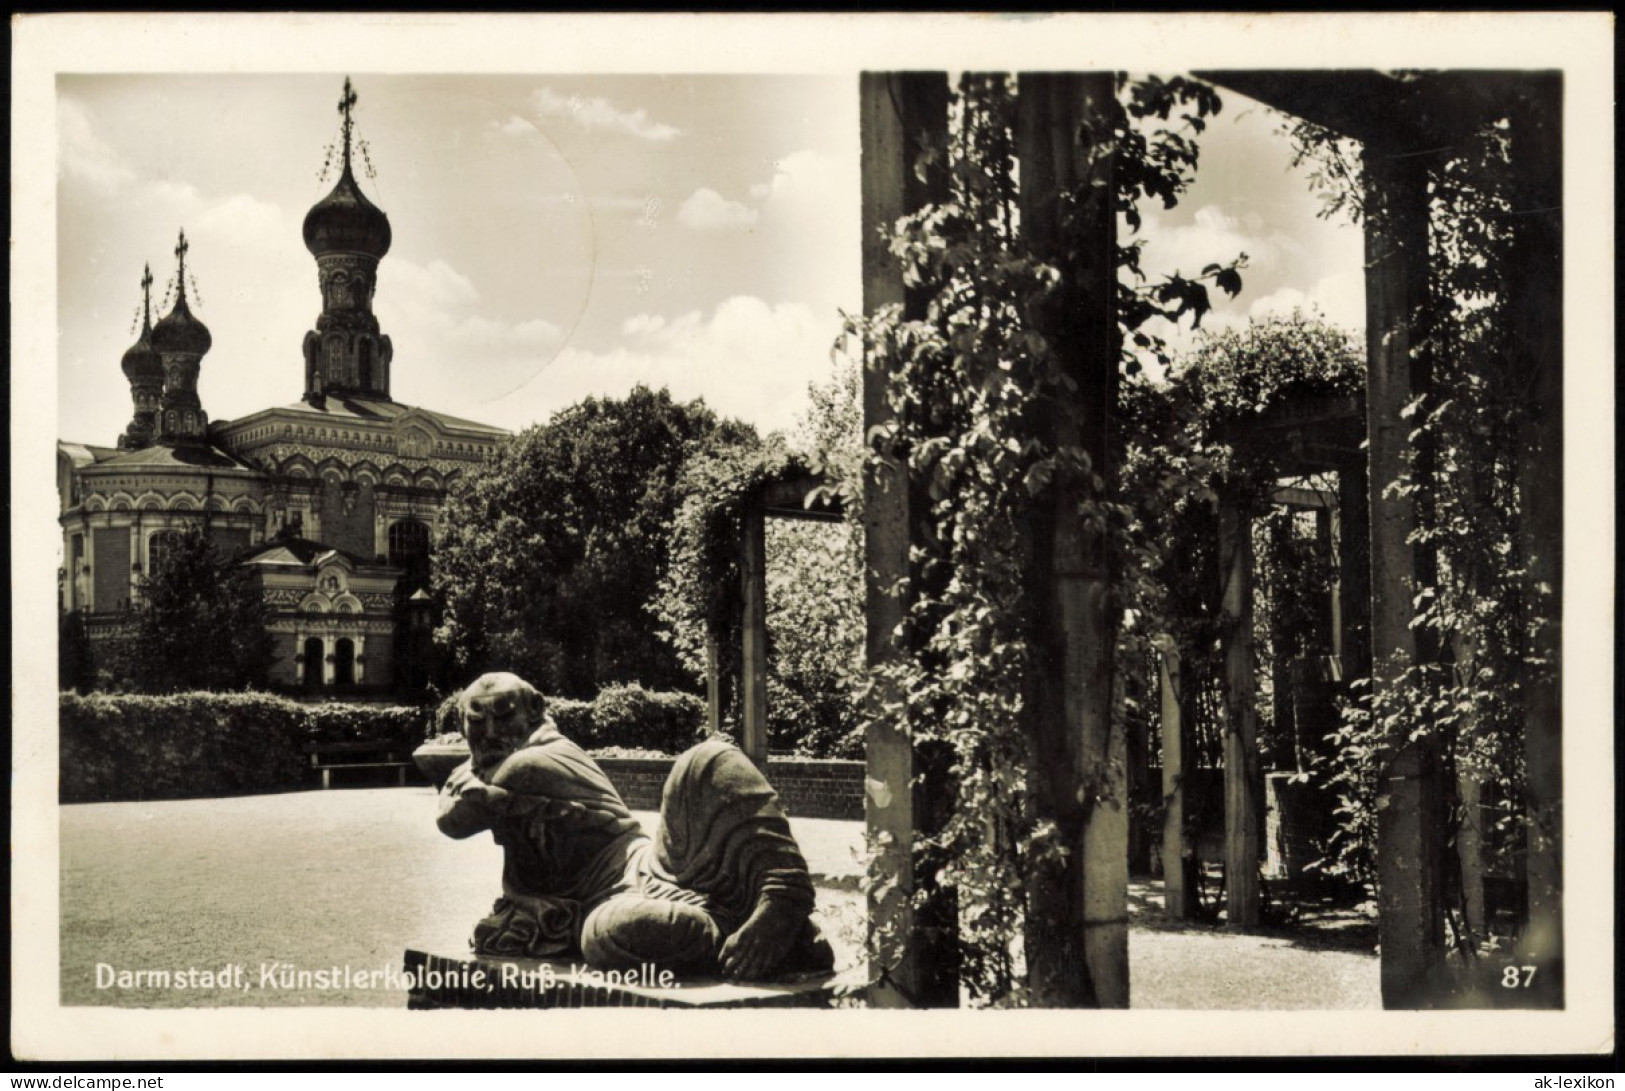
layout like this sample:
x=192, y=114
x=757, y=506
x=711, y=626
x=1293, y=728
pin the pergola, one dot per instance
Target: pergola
x=802, y=497
x=1404, y=122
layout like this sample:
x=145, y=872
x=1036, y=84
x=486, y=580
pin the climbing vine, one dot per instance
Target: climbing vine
x=969, y=380
x=1190, y=441
x=1462, y=699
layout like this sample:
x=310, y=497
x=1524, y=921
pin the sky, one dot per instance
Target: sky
x=554, y=236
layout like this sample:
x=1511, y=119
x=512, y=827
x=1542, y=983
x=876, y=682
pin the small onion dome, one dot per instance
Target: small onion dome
x=346, y=222
x=178, y=331
x=141, y=360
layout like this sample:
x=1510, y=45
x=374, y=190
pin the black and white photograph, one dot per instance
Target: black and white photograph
x=1090, y=535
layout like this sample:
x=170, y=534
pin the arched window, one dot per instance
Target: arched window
x=366, y=363
x=312, y=658
x=344, y=662
x=409, y=547
x=159, y=548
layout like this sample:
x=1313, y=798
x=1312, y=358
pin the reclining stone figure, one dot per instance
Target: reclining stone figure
x=721, y=889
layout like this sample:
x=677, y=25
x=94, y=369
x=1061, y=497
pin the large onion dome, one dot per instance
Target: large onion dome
x=346, y=222
x=180, y=331
x=141, y=360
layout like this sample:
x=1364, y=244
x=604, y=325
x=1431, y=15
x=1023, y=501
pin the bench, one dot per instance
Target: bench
x=329, y=756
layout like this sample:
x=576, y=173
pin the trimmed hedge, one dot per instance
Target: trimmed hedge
x=127, y=746
x=626, y=717
x=633, y=717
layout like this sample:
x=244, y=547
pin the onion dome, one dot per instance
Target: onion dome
x=141, y=360
x=180, y=331
x=346, y=222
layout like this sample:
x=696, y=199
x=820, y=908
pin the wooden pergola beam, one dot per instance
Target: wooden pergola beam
x=1397, y=112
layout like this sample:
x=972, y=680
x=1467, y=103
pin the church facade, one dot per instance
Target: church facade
x=335, y=501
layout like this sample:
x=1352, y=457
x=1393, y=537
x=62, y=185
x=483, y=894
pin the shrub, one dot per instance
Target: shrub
x=118, y=747
x=633, y=717
x=395, y=725
x=626, y=717
x=125, y=746
x=574, y=719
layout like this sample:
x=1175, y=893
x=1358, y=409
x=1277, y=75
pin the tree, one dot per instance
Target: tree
x=554, y=549
x=200, y=623
x=75, y=664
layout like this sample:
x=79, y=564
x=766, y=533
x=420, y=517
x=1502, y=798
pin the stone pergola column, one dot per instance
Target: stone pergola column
x=713, y=686
x=1536, y=298
x=1078, y=932
x=898, y=113
x=1177, y=896
x=753, y=636
x=1241, y=771
x=1409, y=833
x=1353, y=633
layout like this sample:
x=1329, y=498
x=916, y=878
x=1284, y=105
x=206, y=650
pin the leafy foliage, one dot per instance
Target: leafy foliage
x=555, y=548
x=1190, y=441
x=76, y=665
x=122, y=746
x=1477, y=619
x=814, y=577
x=200, y=624
x=625, y=717
x=971, y=380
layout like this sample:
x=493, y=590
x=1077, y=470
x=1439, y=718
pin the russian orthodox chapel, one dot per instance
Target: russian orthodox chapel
x=335, y=501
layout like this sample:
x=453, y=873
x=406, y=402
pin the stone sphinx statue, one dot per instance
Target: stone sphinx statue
x=722, y=888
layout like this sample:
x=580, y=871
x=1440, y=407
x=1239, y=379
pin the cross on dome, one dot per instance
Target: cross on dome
x=181, y=248
x=347, y=103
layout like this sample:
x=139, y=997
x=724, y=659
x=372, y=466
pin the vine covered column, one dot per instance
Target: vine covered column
x=1242, y=777
x=1409, y=834
x=1077, y=943
x=1177, y=897
x=753, y=636
x=1536, y=308
x=912, y=924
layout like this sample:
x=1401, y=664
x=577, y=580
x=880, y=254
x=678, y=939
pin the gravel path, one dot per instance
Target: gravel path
x=346, y=879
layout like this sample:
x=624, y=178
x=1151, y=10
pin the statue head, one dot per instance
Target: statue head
x=500, y=712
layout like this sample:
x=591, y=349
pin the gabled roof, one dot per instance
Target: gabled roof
x=354, y=407
x=300, y=553
x=84, y=454
x=188, y=457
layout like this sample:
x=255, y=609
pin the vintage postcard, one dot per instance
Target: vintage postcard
x=850, y=535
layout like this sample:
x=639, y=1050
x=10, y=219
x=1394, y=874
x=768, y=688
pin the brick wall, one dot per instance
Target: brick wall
x=808, y=787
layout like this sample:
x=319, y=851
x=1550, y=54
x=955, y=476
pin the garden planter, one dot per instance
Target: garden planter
x=436, y=760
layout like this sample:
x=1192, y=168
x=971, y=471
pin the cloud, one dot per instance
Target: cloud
x=448, y=354
x=436, y=286
x=747, y=358
x=1212, y=236
x=600, y=114
x=514, y=126
x=84, y=155
x=708, y=210
x=1339, y=298
x=244, y=220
